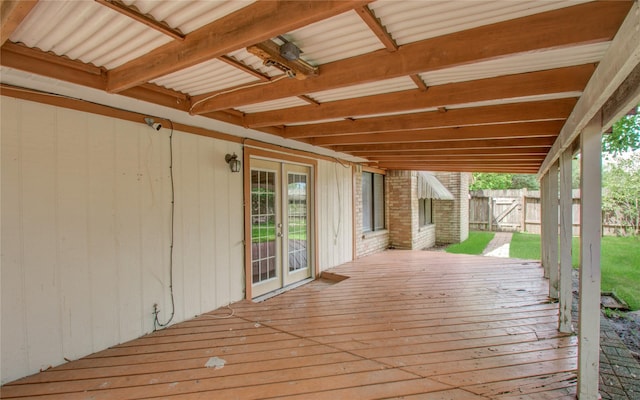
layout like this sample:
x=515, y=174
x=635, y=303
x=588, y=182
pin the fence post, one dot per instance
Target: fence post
x=490, y=213
x=523, y=201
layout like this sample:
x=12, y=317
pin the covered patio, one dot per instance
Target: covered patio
x=414, y=324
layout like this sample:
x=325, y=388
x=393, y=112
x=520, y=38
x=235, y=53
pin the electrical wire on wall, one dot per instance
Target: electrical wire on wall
x=336, y=230
x=156, y=322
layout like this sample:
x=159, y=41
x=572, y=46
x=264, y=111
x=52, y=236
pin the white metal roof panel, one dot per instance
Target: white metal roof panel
x=342, y=36
x=365, y=89
x=287, y=102
x=518, y=64
x=87, y=31
x=209, y=76
x=411, y=21
x=188, y=16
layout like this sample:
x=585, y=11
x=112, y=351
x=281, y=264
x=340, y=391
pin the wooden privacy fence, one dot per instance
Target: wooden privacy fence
x=519, y=210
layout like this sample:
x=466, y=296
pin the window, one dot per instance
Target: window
x=424, y=211
x=372, y=202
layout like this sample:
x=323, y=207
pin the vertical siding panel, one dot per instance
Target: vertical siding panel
x=86, y=225
x=154, y=206
x=102, y=240
x=235, y=215
x=222, y=244
x=128, y=231
x=190, y=210
x=14, y=343
x=208, y=223
x=39, y=224
x=334, y=211
x=72, y=235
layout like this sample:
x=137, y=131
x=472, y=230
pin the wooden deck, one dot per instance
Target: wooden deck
x=409, y=324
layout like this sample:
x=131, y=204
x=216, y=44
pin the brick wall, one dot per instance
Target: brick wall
x=452, y=216
x=405, y=231
x=369, y=242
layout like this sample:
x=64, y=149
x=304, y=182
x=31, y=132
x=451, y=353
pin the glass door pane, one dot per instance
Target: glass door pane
x=297, y=206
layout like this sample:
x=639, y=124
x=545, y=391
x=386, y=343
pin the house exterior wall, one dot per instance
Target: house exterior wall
x=85, y=223
x=405, y=231
x=369, y=242
x=451, y=217
x=335, y=214
x=86, y=232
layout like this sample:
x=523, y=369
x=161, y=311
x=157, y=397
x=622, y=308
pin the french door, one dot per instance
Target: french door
x=280, y=225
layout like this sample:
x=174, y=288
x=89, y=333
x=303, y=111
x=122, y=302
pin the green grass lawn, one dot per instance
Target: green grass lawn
x=476, y=242
x=620, y=262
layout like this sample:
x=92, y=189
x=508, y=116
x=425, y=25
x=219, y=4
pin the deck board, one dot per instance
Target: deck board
x=404, y=324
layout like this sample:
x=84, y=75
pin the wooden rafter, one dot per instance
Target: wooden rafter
x=490, y=144
x=502, y=113
x=569, y=79
x=12, y=12
x=520, y=130
x=244, y=68
x=457, y=158
x=252, y=24
x=419, y=82
x=584, y=23
x=377, y=28
x=508, y=151
x=133, y=13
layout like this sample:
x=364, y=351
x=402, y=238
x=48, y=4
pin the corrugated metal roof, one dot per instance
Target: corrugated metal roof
x=518, y=64
x=342, y=36
x=92, y=33
x=206, y=77
x=411, y=21
x=272, y=105
x=365, y=89
x=188, y=15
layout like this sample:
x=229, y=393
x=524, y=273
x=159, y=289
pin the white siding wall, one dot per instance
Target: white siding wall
x=86, y=229
x=334, y=202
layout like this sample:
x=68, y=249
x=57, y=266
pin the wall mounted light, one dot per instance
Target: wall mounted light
x=234, y=163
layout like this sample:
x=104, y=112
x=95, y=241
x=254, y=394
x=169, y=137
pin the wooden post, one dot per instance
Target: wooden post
x=591, y=225
x=565, y=296
x=544, y=223
x=552, y=236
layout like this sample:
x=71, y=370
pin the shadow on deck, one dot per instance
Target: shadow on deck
x=406, y=323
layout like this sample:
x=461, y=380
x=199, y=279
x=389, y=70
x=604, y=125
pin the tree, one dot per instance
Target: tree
x=484, y=180
x=621, y=194
x=625, y=135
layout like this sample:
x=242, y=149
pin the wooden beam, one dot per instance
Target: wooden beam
x=618, y=104
x=565, y=295
x=502, y=113
x=47, y=64
x=517, y=130
x=12, y=13
x=135, y=14
x=569, y=79
x=462, y=168
x=269, y=52
x=252, y=24
x=580, y=24
x=511, y=151
x=419, y=82
x=463, y=157
x=617, y=64
x=448, y=145
x=377, y=28
x=244, y=68
x=591, y=231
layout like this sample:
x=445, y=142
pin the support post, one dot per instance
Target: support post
x=544, y=223
x=565, y=296
x=590, y=221
x=552, y=235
